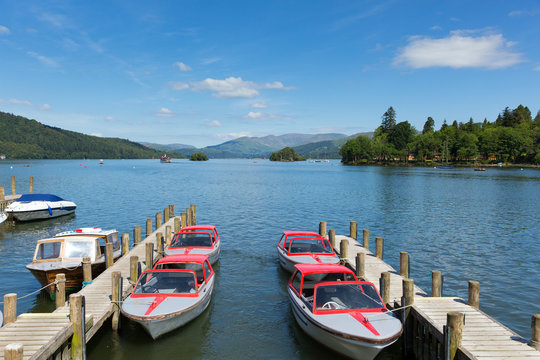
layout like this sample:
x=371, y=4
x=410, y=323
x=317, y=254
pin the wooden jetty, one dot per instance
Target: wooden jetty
x=436, y=327
x=59, y=335
x=5, y=200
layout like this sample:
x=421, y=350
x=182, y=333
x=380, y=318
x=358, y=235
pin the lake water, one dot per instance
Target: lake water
x=470, y=225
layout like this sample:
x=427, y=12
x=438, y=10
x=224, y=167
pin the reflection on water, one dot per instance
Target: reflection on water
x=469, y=225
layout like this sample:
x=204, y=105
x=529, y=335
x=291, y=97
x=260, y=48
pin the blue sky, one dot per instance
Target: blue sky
x=203, y=72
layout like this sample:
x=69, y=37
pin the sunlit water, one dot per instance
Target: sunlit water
x=469, y=225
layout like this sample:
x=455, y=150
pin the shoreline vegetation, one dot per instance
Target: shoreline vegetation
x=286, y=154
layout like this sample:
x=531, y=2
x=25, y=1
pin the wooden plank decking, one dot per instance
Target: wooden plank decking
x=484, y=338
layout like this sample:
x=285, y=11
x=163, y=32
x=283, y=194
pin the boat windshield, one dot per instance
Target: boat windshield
x=347, y=297
x=310, y=245
x=197, y=267
x=79, y=249
x=189, y=239
x=48, y=250
x=166, y=282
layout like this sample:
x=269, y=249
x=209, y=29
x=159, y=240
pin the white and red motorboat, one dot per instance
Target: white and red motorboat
x=198, y=240
x=340, y=312
x=304, y=247
x=176, y=291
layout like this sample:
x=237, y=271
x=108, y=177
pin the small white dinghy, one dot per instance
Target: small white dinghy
x=39, y=206
x=176, y=291
x=196, y=240
x=348, y=316
x=304, y=247
x=3, y=217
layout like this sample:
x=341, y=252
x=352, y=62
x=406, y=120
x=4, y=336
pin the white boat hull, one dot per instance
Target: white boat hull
x=39, y=210
x=213, y=254
x=3, y=217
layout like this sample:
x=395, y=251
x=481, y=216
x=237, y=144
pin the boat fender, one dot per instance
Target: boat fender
x=50, y=210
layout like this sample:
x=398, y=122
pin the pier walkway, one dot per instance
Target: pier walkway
x=483, y=337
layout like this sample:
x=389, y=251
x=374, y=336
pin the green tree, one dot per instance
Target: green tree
x=429, y=125
x=198, y=156
x=286, y=154
x=388, y=120
x=401, y=135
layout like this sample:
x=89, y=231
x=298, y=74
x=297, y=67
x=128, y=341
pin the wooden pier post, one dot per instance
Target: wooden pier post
x=171, y=210
x=10, y=308
x=159, y=243
x=148, y=227
x=322, y=228
x=407, y=300
x=78, y=345
x=360, y=265
x=176, y=224
x=13, y=192
x=332, y=238
x=158, y=220
x=134, y=268
x=115, y=297
x=379, y=247
x=31, y=188
x=109, y=258
x=165, y=214
x=474, y=294
x=87, y=269
x=60, y=292
x=344, y=249
x=136, y=235
x=436, y=283
x=193, y=214
x=365, y=238
x=168, y=235
x=188, y=216
x=2, y=193
x=535, y=339
x=454, y=320
x=404, y=263
x=352, y=230
x=408, y=293
x=13, y=352
x=125, y=243
x=183, y=220
x=385, y=286
x=149, y=255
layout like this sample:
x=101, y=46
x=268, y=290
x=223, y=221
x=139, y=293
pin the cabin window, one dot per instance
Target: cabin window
x=191, y=239
x=317, y=246
x=114, y=240
x=347, y=296
x=48, y=250
x=297, y=280
x=184, y=266
x=166, y=282
x=207, y=270
x=79, y=249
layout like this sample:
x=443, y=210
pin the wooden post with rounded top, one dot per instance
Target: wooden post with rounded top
x=109, y=258
x=171, y=210
x=379, y=247
x=404, y=263
x=474, y=294
x=352, y=230
x=454, y=320
x=2, y=193
x=176, y=224
x=332, y=238
x=193, y=214
x=77, y=321
x=60, y=291
x=134, y=268
x=149, y=255
x=125, y=243
x=136, y=235
x=535, y=339
x=13, y=185
x=188, y=216
x=168, y=235
x=436, y=283
x=10, y=308
x=31, y=187
x=365, y=238
x=344, y=249
x=115, y=294
x=165, y=214
x=14, y=351
x=385, y=282
x=158, y=220
x=183, y=220
x=360, y=265
x=159, y=244
x=322, y=228
x=148, y=227
x=87, y=269
x=408, y=293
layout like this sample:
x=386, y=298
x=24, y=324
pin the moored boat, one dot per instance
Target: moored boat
x=196, y=239
x=165, y=159
x=176, y=291
x=304, y=247
x=64, y=254
x=39, y=206
x=348, y=316
x=3, y=217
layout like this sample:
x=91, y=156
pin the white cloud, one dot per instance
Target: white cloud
x=436, y=27
x=459, y=50
x=234, y=87
x=211, y=60
x=164, y=112
x=254, y=115
x=55, y=20
x=233, y=135
x=4, y=30
x=20, y=102
x=537, y=68
x=97, y=134
x=523, y=12
x=213, y=123
x=45, y=107
x=261, y=105
x=182, y=66
x=109, y=119
x=26, y=103
x=176, y=85
x=43, y=59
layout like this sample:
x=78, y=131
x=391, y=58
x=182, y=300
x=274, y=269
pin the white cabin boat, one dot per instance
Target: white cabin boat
x=304, y=247
x=39, y=206
x=196, y=240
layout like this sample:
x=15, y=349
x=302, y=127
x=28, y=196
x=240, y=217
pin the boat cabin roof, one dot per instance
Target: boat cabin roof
x=69, y=238
x=183, y=258
x=198, y=227
x=300, y=233
x=87, y=231
x=307, y=269
x=39, y=197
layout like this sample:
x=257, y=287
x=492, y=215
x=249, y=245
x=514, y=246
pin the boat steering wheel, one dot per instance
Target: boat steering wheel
x=331, y=305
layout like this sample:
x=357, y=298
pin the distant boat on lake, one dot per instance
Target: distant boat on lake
x=165, y=159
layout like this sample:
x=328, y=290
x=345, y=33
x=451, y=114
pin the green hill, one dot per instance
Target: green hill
x=328, y=149
x=22, y=138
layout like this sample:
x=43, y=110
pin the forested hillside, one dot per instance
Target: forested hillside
x=22, y=138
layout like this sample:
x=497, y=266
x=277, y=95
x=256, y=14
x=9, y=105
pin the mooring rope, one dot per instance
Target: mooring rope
x=32, y=293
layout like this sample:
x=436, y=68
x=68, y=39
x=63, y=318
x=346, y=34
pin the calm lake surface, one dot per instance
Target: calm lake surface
x=470, y=225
